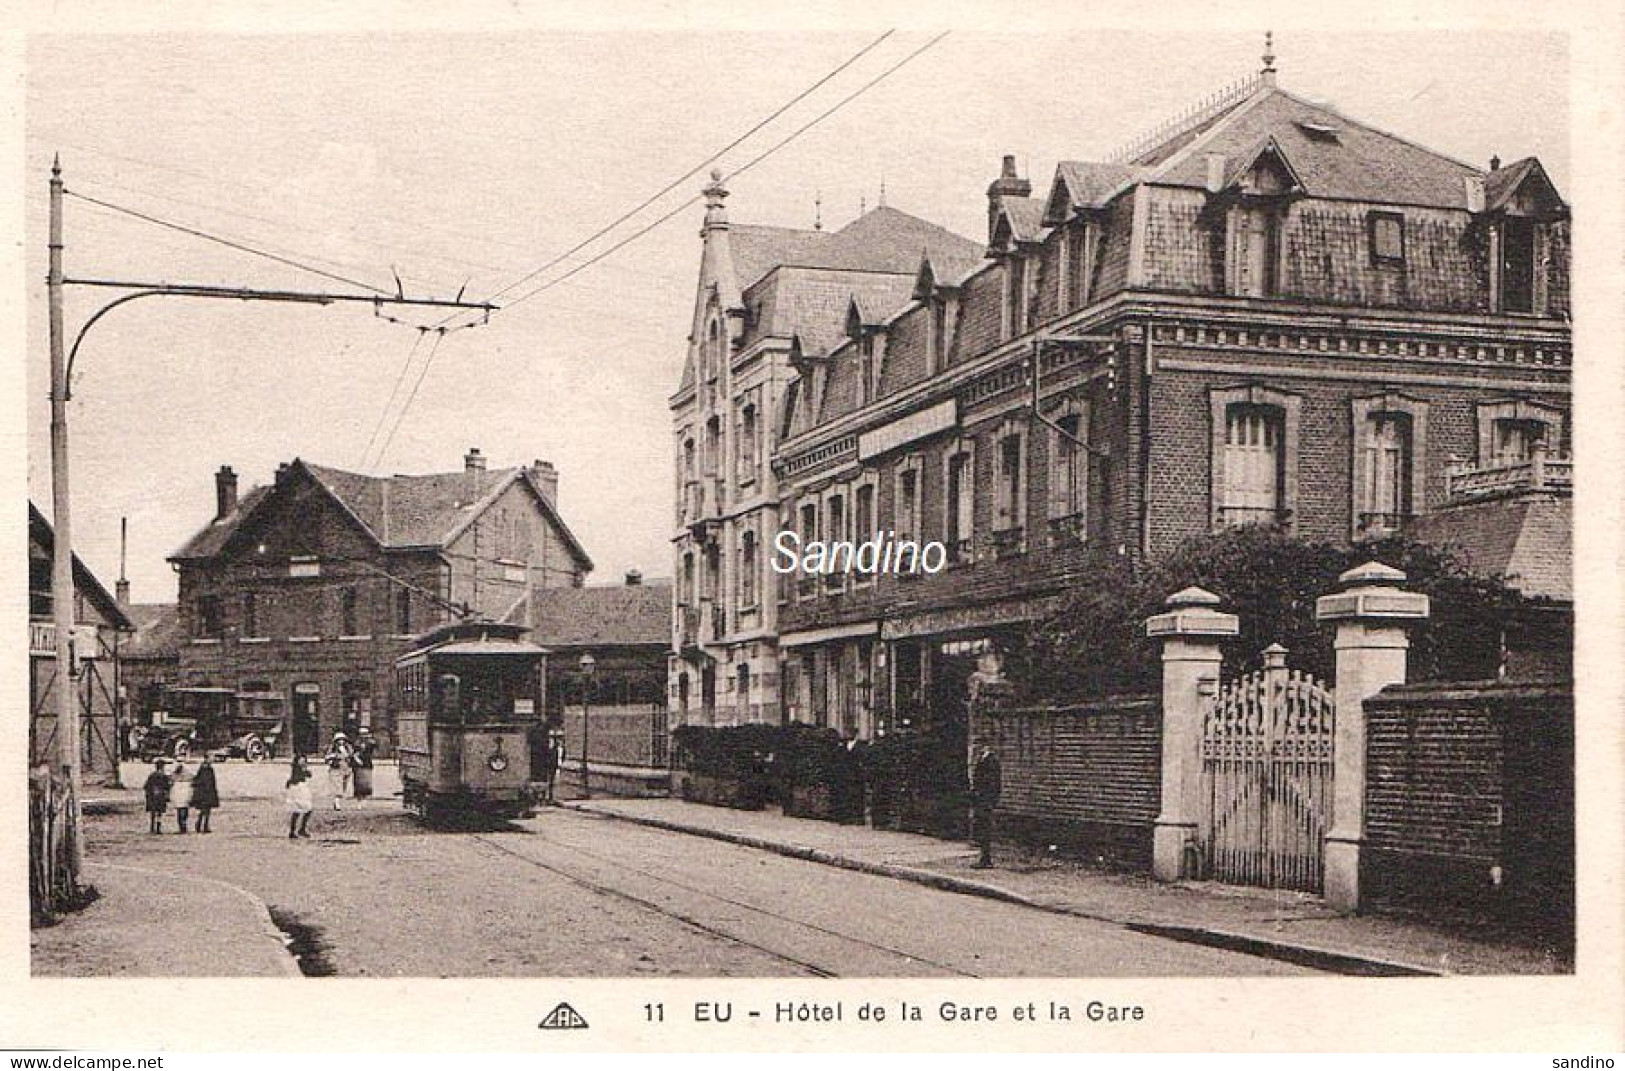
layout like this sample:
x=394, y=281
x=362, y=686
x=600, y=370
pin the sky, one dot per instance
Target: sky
x=469, y=160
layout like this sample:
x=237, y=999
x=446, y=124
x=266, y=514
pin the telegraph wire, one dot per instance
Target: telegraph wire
x=635, y=235
x=240, y=246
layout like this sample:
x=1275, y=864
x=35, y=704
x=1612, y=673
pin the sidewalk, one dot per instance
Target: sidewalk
x=1283, y=925
x=150, y=923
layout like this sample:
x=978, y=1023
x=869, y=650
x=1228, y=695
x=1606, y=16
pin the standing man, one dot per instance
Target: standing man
x=986, y=782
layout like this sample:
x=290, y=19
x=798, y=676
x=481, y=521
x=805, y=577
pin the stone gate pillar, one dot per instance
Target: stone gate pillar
x=1371, y=614
x=1191, y=631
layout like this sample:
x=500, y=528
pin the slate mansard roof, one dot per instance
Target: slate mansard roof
x=398, y=512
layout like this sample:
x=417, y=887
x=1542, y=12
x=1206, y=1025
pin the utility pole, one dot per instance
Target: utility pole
x=62, y=589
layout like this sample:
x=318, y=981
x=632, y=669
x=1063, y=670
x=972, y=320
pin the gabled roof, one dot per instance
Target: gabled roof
x=625, y=615
x=396, y=512
x=883, y=239
x=1019, y=219
x=1503, y=184
x=1334, y=156
x=41, y=532
x=158, y=633
x=1081, y=184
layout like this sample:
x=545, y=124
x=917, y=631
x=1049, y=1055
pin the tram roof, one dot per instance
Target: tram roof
x=464, y=648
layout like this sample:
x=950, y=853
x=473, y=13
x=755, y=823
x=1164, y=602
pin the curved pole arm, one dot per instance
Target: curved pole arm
x=67, y=378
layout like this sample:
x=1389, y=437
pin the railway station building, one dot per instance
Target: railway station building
x=1263, y=312
x=307, y=588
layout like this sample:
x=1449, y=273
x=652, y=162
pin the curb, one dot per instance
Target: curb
x=285, y=960
x=1303, y=955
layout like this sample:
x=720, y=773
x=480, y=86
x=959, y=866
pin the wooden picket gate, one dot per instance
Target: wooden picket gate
x=1267, y=777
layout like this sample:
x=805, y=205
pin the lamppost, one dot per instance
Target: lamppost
x=588, y=665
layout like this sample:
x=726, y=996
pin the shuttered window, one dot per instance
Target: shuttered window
x=1252, y=465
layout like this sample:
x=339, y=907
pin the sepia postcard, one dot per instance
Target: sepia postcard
x=1005, y=527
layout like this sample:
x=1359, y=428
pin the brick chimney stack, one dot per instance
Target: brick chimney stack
x=634, y=578
x=225, y=492
x=473, y=471
x=547, y=478
x=1008, y=184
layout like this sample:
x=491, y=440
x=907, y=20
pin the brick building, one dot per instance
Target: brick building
x=768, y=299
x=1264, y=312
x=309, y=587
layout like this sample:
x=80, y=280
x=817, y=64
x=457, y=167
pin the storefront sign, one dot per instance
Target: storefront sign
x=939, y=417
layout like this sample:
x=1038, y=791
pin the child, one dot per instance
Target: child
x=338, y=767
x=205, y=794
x=157, y=792
x=180, y=794
x=299, y=799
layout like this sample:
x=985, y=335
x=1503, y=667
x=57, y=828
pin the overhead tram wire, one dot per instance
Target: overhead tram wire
x=696, y=169
x=440, y=336
x=635, y=235
x=393, y=394
x=229, y=243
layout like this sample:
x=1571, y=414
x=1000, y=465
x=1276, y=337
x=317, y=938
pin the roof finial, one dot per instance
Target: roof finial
x=882, y=192
x=818, y=210
x=1268, y=73
x=863, y=204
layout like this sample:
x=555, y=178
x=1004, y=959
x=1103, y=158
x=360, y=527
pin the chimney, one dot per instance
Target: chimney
x=634, y=578
x=121, y=590
x=473, y=470
x=547, y=478
x=473, y=461
x=1008, y=184
x=1495, y=163
x=225, y=491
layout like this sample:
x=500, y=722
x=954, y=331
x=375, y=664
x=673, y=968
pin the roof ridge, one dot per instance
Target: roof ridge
x=1216, y=104
x=1262, y=92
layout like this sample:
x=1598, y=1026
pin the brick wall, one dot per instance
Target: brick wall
x=1085, y=778
x=1470, y=804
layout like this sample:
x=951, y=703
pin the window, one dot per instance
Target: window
x=349, y=613
x=1257, y=241
x=1515, y=440
x=251, y=616
x=1517, y=264
x=1387, y=237
x=1252, y=465
x=713, y=444
x=1080, y=246
x=1010, y=490
x=1015, y=295
x=939, y=338
x=743, y=687
x=747, y=569
x=304, y=566
x=1390, y=445
x=959, y=503
x=685, y=583
x=906, y=514
x=210, y=623
x=1387, y=472
x=748, y=455
x=1069, y=474
x=868, y=369
x=863, y=522
x=403, y=612
x=835, y=529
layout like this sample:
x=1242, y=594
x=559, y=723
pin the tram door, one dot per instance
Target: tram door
x=307, y=705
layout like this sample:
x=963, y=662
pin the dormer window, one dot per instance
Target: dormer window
x=1386, y=232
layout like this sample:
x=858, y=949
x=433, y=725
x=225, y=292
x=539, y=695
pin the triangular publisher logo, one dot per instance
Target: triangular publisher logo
x=564, y=1017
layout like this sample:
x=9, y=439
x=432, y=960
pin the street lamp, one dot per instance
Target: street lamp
x=588, y=666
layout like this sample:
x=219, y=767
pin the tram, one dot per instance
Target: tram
x=469, y=698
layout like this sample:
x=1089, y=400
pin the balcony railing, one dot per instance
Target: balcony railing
x=1539, y=472
x=1238, y=516
x=1379, y=524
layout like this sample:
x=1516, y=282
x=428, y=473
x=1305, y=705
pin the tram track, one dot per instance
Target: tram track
x=600, y=888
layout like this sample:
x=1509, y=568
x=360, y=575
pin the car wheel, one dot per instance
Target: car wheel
x=255, y=751
x=183, y=749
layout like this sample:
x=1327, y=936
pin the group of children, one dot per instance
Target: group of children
x=349, y=766
x=182, y=790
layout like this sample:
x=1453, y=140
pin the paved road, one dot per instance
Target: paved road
x=570, y=894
